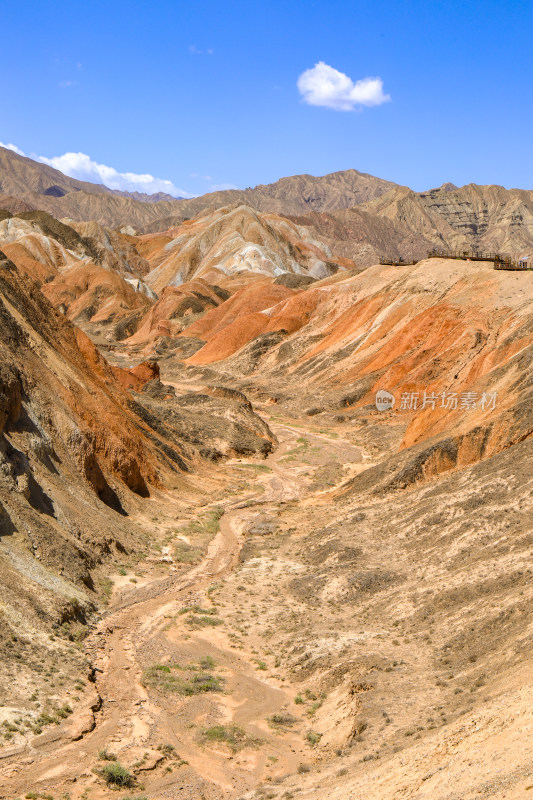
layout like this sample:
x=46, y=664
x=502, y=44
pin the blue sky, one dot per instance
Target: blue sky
x=205, y=94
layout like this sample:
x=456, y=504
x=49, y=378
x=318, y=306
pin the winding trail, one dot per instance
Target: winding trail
x=122, y=715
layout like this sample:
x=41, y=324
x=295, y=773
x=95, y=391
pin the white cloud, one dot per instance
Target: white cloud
x=197, y=52
x=67, y=84
x=82, y=167
x=13, y=147
x=325, y=86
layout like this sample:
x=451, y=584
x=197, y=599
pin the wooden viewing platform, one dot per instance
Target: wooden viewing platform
x=499, y=261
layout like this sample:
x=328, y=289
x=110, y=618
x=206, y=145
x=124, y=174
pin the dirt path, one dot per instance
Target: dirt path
x=128, y=720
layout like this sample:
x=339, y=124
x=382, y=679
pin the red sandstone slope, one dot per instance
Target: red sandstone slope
x=451, y=327
x=176, y=307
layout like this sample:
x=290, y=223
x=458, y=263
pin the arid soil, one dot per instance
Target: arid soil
x=361, y=640
x=224, y=571
x=145, y=625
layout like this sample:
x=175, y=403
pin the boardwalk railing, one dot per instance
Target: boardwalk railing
x=499, y=261
x=507, y=263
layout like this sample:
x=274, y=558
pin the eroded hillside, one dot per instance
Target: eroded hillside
x=79, y=454
x=235, y=575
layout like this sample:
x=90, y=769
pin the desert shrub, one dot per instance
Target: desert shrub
x=233, y=736
x=106, y=755
x=137, y=797
x=187, y=553
x=313, y=738
x=204, y=621
x=168, y=750
x=115, y=774
x=196, y=609
x=167, y=679
x=63, y=711
x=283, y=720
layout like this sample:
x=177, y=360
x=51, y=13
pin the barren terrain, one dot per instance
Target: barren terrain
x=224, y=573
x=359, y=642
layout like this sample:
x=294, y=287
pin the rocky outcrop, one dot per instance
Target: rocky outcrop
x=487, y=218
x=137, y=377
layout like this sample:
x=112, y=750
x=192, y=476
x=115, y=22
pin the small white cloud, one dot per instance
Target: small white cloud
x=325, y=86
x=67, y=84
x=197, y=52
x=13, y=147
x=82, y=167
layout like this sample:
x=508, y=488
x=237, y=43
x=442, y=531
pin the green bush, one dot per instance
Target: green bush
x=115, y=774
x=313, y=737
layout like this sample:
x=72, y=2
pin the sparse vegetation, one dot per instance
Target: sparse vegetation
x=313, y=738
x=106, y=755
x=202, y=621
x=106, y=589
x=170, y=679
x=115, y=774
x=137, y=797
x=233, y=736
x=281, y=720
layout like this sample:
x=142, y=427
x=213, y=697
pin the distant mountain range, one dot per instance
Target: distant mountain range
x=359, y=216
x=44, y=187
